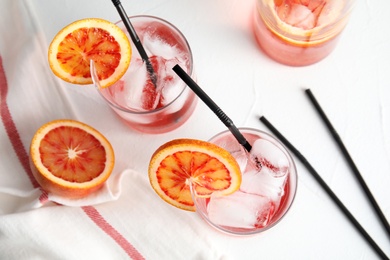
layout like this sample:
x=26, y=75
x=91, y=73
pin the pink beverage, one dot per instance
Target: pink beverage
x=142, y=105
x=269, y=183
x=300, y=32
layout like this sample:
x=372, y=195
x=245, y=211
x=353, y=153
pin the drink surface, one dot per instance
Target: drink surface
x=304, y=19
x=299, y=32
x=266, y=191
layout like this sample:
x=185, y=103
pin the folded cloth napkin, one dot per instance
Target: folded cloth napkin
x=37, y=197
x=138, y=226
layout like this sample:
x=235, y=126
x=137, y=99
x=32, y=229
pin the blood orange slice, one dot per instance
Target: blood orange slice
x=180, y=163
x=70, y=158
x=94, y=39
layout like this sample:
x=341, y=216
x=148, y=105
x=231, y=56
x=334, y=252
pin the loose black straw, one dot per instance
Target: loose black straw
x=213, y=106
x=136, y=40
x=324, y=186
x=350, y=161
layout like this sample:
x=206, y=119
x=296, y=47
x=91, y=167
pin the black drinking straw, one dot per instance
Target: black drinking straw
x=350, y=161
x=325, y=187
x=136, y=40
x=213, y=106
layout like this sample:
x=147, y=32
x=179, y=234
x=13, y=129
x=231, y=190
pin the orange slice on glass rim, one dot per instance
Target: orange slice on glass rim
x=70, y=159
x=72, y=49
x=180, y=163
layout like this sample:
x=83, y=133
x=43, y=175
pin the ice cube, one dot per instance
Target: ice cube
x=230, y=144
x=240, y=210
x=264, y=183
x=154, y=45
x=164, y=53
x=270, y=156
x=134, y=81
x=171, y=84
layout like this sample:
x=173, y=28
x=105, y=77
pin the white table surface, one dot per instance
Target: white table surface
x=352, y=85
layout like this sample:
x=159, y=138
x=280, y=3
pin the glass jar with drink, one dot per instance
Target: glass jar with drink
x=300, y=32
x=147, y=106
x=267, y=190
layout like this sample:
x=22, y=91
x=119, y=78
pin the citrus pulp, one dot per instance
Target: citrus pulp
x=180, y=163
x=70, y=159
x=72, y=49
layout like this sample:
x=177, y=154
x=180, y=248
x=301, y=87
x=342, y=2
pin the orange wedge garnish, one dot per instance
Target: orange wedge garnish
x=72, y=49
x=183, y=162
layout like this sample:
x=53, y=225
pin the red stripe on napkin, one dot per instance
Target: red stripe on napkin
x=22, y=155
x=11, y=129
x=95, y=216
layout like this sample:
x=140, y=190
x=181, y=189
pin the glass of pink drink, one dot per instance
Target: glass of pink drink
x=300, y=32
x=267, y=191
x=142, y=105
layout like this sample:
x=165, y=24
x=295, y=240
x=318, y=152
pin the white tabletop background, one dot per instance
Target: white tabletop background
x=352, y=85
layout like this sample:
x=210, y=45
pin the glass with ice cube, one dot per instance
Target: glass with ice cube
x=300, y=32
x=142, y=105
x=269, y=183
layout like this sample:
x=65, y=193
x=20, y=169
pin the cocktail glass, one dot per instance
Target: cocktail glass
x=300, y=32
x=269, y=184
x=142, y=105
